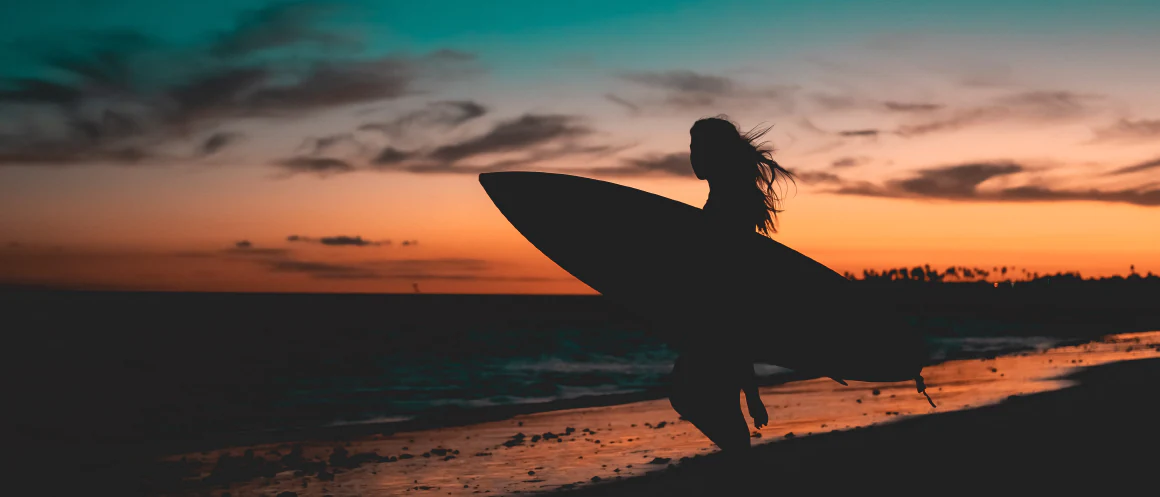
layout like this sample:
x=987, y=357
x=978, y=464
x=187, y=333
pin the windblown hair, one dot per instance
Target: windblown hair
x=740, y=159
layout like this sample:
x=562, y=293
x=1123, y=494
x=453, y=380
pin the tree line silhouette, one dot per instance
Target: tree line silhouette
x=996, y=275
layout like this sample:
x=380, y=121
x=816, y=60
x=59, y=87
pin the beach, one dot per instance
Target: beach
x=1035, y=419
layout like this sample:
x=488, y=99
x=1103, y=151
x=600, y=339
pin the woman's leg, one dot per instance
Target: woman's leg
x=705, y=394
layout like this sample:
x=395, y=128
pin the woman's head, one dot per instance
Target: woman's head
x=721, y=154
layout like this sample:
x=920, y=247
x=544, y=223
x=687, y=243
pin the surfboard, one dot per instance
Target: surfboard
x=705, y=288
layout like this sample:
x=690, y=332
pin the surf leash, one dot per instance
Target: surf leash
x=922, y=389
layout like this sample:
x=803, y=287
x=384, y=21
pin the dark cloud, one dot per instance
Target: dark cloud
x=279, y=25
x=849, y=162
x=526, y=140
x=955, y=181
x=1034, y=193
x=391, y=156
x=840, y=102
x=333, y=84
x=322, y=144
x=121, y=97
x=526, y=131
x=961, y=182
x=443, y=114
x=673, y=164
x=910, y=107
x=244, y=244
x=316, y=165
x=632, y=108
x=816, y=177
x=218, y=141
x=1128, y=130
x=860, y=132
x=339, y=241
x=1143, y=166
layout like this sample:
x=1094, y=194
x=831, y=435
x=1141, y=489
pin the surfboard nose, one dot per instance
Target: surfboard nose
x=527, y=190
x=507, y=182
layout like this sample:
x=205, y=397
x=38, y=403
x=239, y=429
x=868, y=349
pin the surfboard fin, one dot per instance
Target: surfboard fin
x=843, y=383
x=922, y=389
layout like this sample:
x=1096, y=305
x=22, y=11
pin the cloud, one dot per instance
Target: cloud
x=339, y=241
x=842, y=102
x=684, y=90
x=509, y=144
x=244, y=244
x=390, y=156
x=1143, y=166
x=280, y=25
x=123, y=97
x=954, y=181
x=673, y=164
x=845, y=162
x=443, y=114
x=1130, y=196
x=683, y=81
x=321, y=166
x=860, y=132
x=962, y=182
x=1128, y=130
x=319, y=145
x=815, y=177
x=835, y=102
x=631, y=107
x=1036, y=106
x=218, y=141
x=515, y=134
x=332, y=84
x=911, y=107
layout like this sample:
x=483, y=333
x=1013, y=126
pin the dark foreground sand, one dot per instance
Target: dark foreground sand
x=1102, y=435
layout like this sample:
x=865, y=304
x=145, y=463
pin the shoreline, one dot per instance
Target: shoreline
x=450, y=417
x=535, y=452
x=1097, y=435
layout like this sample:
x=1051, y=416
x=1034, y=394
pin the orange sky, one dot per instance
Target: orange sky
x=183, y=243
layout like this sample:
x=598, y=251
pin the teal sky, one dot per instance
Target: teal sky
x=663, y=29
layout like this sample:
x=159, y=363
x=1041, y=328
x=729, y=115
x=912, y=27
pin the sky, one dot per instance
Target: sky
x=252, y=146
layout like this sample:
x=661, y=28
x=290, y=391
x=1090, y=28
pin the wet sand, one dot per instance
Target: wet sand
x=601, y=449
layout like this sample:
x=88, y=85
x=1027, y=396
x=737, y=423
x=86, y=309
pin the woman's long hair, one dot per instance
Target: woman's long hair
x=739, y=158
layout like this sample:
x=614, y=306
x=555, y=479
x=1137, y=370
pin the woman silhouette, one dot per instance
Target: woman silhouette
x=742, y=199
